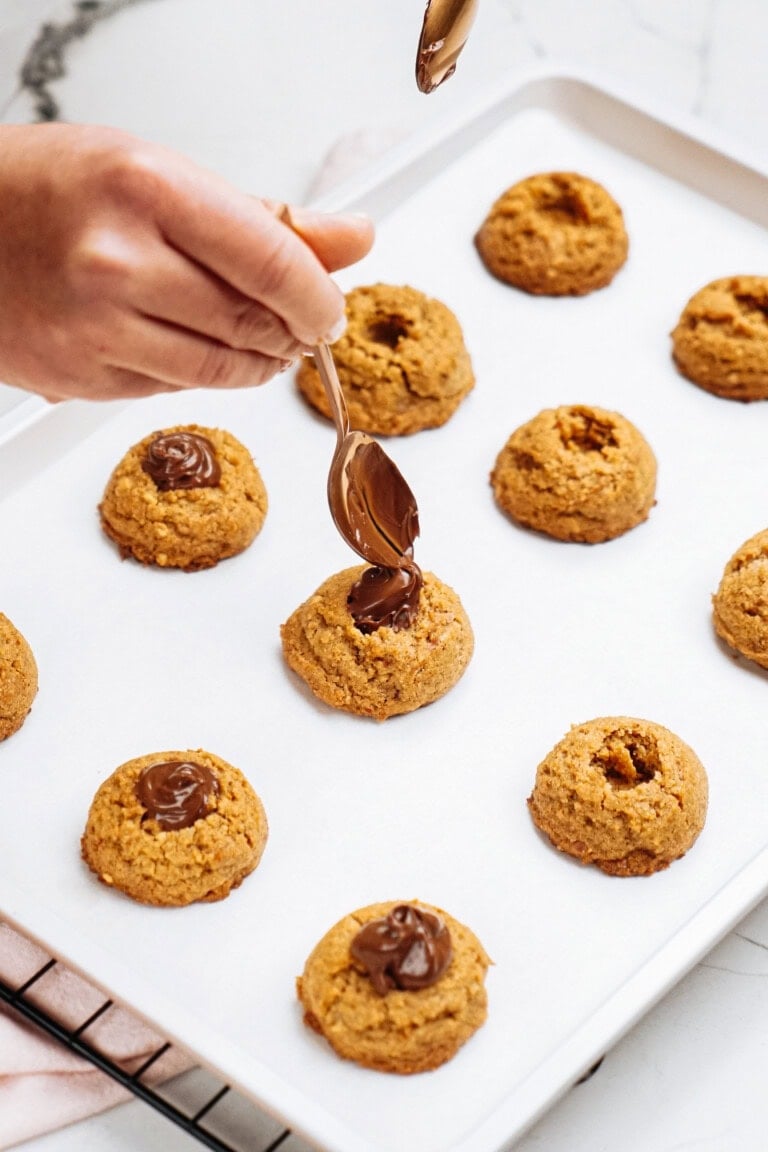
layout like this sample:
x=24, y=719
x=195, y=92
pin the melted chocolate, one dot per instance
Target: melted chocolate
x=376, y=506
x=176, y=793
x=409, y=948
x=385, y=598
x=381, y=521
x=182, y=460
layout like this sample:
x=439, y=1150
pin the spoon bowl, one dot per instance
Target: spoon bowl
x=371, y=504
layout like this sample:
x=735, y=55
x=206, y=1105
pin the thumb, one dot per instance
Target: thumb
x=337, y=239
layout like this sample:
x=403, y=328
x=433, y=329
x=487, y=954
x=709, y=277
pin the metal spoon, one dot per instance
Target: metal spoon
x=370, y=502
x=444, y=33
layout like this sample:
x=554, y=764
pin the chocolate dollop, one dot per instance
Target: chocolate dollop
x=386, y=597
x=182, y=460
x=176, y=793
x=409, y=948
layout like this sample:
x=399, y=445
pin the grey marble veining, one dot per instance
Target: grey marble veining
x=44, y=62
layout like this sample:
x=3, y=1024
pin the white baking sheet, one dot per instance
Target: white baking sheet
x=431, y=805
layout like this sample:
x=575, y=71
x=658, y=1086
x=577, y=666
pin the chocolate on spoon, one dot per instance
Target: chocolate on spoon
x=444, y=33
x=373, y=508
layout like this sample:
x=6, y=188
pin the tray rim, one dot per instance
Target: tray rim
x=526, y=85
x=26, y=438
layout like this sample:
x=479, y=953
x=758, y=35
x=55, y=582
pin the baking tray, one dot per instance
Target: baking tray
x=432, y=805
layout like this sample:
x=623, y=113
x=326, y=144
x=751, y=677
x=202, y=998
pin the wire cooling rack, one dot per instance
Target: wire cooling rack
x=261, y=1133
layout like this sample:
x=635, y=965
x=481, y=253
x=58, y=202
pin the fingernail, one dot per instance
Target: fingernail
x=338, y=330
x=299, y=218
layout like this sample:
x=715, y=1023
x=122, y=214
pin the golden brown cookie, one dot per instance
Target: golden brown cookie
x=400, y=1030
x=720, y=341
x=402, y=362
x=554, y=234
x=184, y=497
x=175, y=827
x=740, y=605
x=577, y=473
x=385, y=672
x=624, y=794
x=18, y=678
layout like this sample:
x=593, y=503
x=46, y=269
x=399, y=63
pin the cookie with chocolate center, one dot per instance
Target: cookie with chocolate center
x=184, y=497
x=396, y=986
x=357, y=666
x=175, y=827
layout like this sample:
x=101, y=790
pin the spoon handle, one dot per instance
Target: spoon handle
x=323, y=358
x=329, y=376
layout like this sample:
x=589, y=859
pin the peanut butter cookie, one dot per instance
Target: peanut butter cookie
x=18, y=678
x=720, y=341
x=175, y=827
x=384, y=672
x=402, y=362
x=554, y=234
x=397, y=987
x=185, y=497
x=624, y=794
x=576, y=473
x=740, y=605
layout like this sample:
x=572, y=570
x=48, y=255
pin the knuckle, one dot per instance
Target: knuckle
x=132, y=174
x=223, y=367
x=249, y=325
x=219, y=367
x=100, y=265
x=254, y=328
x=275, y=267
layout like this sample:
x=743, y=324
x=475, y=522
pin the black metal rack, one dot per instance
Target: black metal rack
x=75, y=1040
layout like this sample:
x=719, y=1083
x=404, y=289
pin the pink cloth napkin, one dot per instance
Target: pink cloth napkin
x=43, y=1086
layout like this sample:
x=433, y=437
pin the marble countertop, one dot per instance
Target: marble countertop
x=251, y=90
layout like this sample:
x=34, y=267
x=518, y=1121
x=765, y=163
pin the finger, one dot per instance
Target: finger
x=239, y=240
x=108, y=384
x=123, y=384
x=119, y=270
x=175, y=356
x=174, y=290
x=336, y=240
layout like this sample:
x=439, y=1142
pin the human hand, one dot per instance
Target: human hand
x=125, y=269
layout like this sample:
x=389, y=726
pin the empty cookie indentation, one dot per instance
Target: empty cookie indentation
x=582, y=430
x=628, y=759
x=750, y=304
x=570, y=206
x=388, y=330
